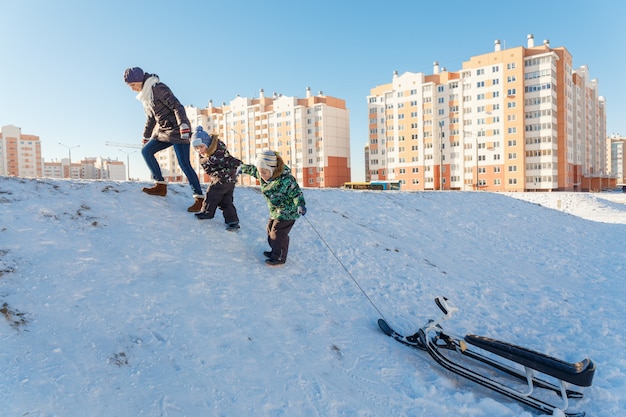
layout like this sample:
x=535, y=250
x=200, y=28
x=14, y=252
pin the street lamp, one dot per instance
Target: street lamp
x=127, y=162
x=69, y=151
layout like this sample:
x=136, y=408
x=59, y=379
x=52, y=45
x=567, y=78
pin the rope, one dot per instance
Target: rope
x=344, y=267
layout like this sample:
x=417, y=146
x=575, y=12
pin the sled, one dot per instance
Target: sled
x=527, y=376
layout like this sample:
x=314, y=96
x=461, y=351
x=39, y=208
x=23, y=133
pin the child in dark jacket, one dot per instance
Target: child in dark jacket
x=284, y=200
x=222, y=170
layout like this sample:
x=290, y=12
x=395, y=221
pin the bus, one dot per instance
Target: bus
x=373, y=185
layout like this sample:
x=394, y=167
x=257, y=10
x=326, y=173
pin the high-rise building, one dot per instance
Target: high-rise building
x=20, y=155
x=616, y=158
x=311, y=134
x=517, y=119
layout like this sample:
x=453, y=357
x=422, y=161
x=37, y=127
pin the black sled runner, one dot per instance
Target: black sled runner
x=532, y=378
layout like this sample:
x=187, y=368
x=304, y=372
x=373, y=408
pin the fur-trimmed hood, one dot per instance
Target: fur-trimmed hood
x=280, y=169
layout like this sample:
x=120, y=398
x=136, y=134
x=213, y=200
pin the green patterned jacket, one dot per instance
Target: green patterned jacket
x=282, y=192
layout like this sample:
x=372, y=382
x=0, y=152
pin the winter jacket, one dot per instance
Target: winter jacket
x=166, y=114
x=219, y=163
x=282, y=192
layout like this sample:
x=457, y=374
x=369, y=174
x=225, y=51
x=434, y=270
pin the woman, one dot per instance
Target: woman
x=165, y=113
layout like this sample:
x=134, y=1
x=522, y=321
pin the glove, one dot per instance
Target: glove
x=145, y=140
x=185, y=131
x=301, y=210
x=238, y=173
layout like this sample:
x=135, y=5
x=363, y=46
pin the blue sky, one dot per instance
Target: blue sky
x=62, y=61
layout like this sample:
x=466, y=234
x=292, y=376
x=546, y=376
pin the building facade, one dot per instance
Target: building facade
x=93, y=168
x=616, y=159
x=311, y=134
x=518, y=119
x=20, y=155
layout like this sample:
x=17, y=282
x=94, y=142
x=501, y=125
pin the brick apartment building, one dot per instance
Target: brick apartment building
x=517, y=119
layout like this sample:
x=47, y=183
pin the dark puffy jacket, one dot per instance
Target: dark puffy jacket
x=219, y=163
x=282, y=192
x=167, y=114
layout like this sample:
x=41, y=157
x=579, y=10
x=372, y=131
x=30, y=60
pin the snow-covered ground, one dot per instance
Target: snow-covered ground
x=120, y=304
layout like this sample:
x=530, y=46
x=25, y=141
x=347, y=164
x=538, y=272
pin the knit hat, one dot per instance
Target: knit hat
x=266, y=160
x=200, y=137
x=133, y=75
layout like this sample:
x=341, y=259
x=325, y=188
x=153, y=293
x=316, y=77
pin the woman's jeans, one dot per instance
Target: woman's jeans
x=182, y=154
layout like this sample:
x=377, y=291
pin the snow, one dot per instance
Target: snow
x=117, y=303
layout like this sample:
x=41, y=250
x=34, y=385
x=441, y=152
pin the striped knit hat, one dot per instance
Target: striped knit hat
x=266, y=160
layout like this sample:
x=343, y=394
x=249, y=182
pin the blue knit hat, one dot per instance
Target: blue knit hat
x=200, y=137
x=133, y=75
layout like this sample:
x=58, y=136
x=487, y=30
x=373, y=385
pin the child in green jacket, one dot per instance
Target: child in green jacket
x=284, y=200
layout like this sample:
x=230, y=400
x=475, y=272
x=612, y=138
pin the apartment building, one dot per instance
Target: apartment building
x=312, y=134
x=616, y=158
x=91, y=168
x=20, y=155
x=517, y=119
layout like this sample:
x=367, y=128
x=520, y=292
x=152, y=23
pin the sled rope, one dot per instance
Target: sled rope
x=344, y=267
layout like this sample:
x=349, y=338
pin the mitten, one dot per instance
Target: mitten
x=301, y=210
x=185, y=131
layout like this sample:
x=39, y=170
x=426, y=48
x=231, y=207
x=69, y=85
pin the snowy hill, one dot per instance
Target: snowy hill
x=122, y=304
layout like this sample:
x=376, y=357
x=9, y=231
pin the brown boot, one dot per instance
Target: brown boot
x=160, y=189
x=197, y=205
